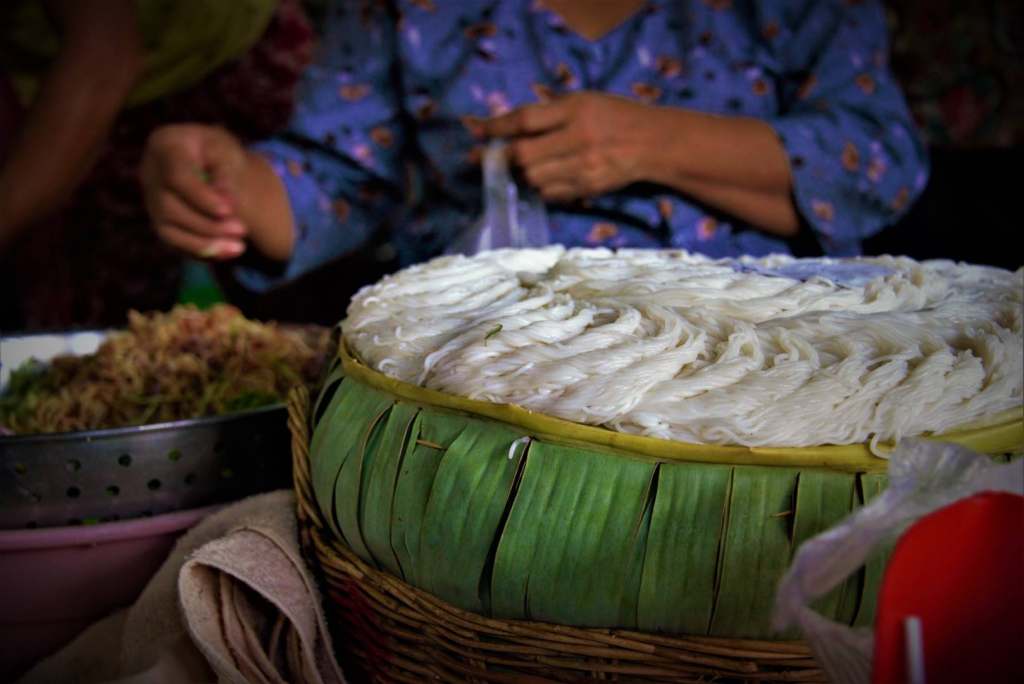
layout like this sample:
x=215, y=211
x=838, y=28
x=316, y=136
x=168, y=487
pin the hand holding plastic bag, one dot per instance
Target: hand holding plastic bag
x=511, y=218
x=924, y=476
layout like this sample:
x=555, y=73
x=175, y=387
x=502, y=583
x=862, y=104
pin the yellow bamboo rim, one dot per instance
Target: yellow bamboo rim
x=1000, y=434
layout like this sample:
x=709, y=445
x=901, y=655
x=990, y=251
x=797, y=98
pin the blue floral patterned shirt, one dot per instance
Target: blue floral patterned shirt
x=377, y=146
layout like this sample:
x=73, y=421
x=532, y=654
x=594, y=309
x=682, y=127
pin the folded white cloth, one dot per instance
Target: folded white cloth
x=233, y=603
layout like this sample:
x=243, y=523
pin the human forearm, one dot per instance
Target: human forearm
x=737, y=151
x=734, y=164
x=76, y=105
x=55, y=149
x=772, y=212
x=266, y=209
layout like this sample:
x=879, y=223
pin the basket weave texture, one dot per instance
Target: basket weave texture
x=390, y=631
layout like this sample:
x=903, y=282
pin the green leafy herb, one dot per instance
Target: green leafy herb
x=27, y=383
x=251, y=400
x=492, y=332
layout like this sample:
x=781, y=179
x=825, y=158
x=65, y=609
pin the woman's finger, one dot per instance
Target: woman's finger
x=560, y=192
x=199, y=245
x=225, y=160
x=560, y=170
x=528, y=120
x=171, y=209
x=562, y=142
x=190, y=181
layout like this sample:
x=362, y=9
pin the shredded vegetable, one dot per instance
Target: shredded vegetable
x=165, y=366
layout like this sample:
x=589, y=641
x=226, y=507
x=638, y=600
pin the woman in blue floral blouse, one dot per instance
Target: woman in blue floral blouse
x=722, y=127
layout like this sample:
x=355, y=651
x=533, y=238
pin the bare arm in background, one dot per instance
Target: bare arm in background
x=100, y=58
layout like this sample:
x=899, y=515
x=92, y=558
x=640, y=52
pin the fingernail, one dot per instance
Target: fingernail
x=233, y=227
x=222, y=249
x=230, y=249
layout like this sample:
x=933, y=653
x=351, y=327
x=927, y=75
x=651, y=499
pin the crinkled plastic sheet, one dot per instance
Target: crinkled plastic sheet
x=512, y=217
x=924, y=476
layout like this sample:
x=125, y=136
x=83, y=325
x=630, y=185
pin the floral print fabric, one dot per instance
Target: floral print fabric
x=378, y=145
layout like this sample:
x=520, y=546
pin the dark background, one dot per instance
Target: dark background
x=960, y=65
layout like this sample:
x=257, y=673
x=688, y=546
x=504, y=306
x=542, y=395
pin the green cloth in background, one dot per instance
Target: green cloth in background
x=184, y=39
x=198, y=286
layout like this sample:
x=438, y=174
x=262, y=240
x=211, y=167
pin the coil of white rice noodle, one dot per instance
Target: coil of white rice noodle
x=757, y=352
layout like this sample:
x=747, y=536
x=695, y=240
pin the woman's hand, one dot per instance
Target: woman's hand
x=588, y=143
x=189, y=175
x=578, y=146
x=207, y=195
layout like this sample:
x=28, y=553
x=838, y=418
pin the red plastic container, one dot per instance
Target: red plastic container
x=959, y=572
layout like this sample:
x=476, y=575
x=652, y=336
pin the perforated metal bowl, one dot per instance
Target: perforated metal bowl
x=103, y=475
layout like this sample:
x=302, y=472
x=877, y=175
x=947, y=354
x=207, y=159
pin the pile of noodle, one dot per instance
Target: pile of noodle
x=164, y=367
x=757, y=352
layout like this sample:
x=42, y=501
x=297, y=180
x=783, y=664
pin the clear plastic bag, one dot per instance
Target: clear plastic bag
x=924, y=476
x=512, y=217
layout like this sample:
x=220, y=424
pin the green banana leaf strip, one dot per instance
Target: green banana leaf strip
x=436, y=432
x=629, y=608
x=327, y=449
x=334, y=376
x=365, y=440
x=850, y=597
x=871, y=486
x=824, y=498
x=756, y=551
x=571, y=537
x=379, y=479
x=464, y=513
x=677, y=591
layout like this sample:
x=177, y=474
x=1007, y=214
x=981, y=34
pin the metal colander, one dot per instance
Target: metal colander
x=103, y=475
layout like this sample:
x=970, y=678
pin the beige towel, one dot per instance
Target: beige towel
x=233, y=603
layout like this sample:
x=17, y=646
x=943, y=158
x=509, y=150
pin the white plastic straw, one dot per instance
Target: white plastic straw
x=915, y=649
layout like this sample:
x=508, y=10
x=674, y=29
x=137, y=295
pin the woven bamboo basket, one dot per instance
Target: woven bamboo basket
x=448, y=603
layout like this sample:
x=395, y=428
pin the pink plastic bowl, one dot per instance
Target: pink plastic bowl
x=54, y=582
